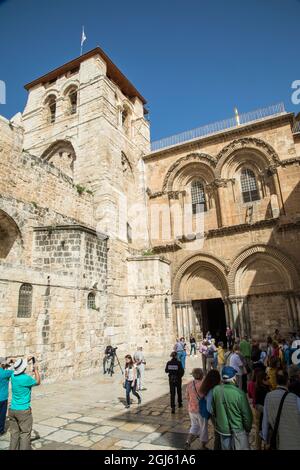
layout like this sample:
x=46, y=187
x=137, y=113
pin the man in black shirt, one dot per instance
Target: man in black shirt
x=175, y=370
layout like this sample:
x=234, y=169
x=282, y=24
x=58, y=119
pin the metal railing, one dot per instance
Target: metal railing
x=219, y=126
x=296, y=127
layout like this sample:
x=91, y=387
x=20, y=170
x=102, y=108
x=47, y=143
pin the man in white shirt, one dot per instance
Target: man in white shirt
x=140, y=362
x=236, y=362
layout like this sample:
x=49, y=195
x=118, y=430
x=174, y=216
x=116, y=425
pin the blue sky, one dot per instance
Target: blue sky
x=193, y=60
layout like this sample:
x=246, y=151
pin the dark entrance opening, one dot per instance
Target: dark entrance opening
x=211, y=316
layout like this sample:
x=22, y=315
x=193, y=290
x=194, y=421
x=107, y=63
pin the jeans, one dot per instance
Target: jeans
x=238, y=441
x=175, y=385
x=193, y=348
x=20, y=426
x=130, y=386
x=181, y=356
x=3, y=409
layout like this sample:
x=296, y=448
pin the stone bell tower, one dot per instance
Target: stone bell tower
x=88, y=120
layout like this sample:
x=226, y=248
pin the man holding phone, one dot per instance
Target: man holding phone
x=20, y=415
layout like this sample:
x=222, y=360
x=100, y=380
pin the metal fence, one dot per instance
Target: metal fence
x=219, y=126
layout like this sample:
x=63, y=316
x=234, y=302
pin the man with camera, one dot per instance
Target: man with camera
x=5, y=376
x=20, y=416
x=108, y=357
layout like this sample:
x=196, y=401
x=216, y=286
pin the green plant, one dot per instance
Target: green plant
x=80, y=189
x=148, y=252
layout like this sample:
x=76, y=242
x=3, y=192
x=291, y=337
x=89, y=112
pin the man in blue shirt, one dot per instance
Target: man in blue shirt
x=5, y=376
x=20, y=416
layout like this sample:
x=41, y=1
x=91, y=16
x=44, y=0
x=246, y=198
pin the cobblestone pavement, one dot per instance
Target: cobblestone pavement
x=89, y=413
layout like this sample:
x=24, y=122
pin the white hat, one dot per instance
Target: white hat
x=20, y=366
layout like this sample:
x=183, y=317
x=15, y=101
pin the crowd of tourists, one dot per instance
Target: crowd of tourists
x=239, y=385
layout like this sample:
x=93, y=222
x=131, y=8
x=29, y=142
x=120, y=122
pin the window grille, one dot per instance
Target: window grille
x=91, y=301
x=249, y=186
x=25, y=301
x=198, y=197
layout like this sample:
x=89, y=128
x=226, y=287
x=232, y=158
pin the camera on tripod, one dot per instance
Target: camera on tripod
x=110, y=356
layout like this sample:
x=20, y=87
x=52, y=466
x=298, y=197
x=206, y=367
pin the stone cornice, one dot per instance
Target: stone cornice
x=77, y=227
x=290, y=161
x=200, y=142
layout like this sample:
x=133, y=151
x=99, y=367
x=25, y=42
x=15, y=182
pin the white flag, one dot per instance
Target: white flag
x=83, y=36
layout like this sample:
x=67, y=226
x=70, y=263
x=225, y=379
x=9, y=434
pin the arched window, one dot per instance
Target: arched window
x=51, y=105
x=249, y=185
x=25, y=301
x=91, y=301
x=72, y=96
x=198, y=197
x=126, y=120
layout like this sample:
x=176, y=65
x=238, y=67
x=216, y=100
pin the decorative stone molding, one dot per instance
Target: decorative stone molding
x=270, y=251
x=290, y=161
x=251, y=143
x=181, y=162
x=215, y=264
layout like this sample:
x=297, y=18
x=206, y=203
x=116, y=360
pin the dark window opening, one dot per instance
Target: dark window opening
x=25, y=301
x=91, y=301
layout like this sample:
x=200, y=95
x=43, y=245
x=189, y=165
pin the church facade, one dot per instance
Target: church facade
x=107, y=238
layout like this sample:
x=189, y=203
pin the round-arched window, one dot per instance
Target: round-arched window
x=91, y=301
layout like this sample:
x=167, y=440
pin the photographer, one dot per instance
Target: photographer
x=20, y=416
x=108, y=356
x=5, y=376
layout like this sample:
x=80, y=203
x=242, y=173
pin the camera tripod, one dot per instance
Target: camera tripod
x=110, y=361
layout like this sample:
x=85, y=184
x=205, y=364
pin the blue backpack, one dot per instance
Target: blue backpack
x=202, y=405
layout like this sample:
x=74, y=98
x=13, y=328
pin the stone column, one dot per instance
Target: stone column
x=291, y=319
x=297, y=301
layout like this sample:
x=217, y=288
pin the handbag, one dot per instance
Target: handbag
x=273, y=440
x=202, y=405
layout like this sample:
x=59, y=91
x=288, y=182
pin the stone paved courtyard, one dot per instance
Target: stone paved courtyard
x=89, y=413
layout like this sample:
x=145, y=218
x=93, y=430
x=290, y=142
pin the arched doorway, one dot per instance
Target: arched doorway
x=10, y=237
x=200, y=290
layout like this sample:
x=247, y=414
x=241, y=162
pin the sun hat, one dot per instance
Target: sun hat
x=20, y=366
x=228, y=373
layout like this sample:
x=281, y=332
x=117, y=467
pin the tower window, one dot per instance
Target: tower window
x=249, y=186
x=91, y=301
x=51, y=104
x=198, y=197
x=25, y=301
x=73, y=101
x=166, y=303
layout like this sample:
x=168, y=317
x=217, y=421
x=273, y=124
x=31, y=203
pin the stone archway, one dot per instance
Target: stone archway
x=10, y=235
x=200, y=291
x=61, y=154
x=262, y=285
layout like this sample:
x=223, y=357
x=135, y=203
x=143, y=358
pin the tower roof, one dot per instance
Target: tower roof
x=112, y=72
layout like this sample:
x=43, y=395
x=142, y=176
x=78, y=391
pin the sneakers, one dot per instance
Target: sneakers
x=187, y=446
x=180, y=405
x=127, y=406
x=173, y=411
x=139, y=401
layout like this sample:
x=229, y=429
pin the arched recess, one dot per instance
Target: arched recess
x=10, y=235
x=62, y=155
x=205, y=266
x=272, y=257
x=262, y=155
x=178, y=171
